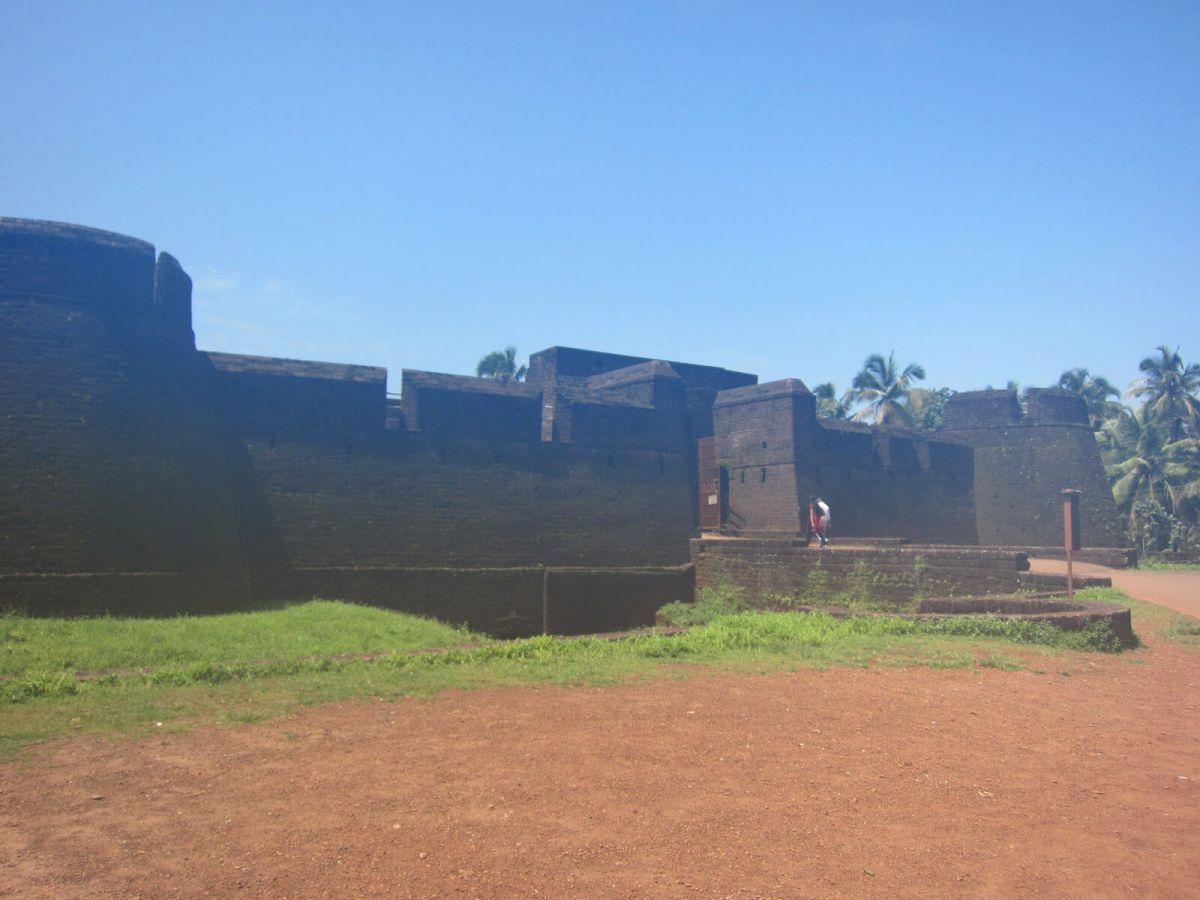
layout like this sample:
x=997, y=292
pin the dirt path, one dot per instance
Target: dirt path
x=845, y=781
x=1177, y=590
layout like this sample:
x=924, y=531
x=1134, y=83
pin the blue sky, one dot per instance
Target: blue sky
x=996, y=190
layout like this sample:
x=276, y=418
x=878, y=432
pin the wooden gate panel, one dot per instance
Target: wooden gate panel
x=710, y=485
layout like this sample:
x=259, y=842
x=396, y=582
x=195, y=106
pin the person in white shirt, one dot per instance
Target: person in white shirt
x=819, y=518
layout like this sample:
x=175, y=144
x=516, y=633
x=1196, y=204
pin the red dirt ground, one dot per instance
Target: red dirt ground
x=845, y=781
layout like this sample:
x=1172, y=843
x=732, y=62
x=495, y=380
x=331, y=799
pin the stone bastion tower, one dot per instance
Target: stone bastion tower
x=112, y=469
x=1023, y=460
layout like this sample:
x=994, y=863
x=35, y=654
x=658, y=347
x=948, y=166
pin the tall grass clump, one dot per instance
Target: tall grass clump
x=711, y=603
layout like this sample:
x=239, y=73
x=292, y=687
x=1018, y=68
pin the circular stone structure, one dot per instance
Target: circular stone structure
x=115, y=493
x=1056, y=610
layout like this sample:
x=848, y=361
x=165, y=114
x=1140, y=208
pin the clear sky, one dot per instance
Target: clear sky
x=996, y=190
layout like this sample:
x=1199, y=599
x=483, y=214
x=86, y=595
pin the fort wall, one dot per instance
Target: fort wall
x=110, y=458
x=459, y=498
x=144, y=476
x=1023, y=461
x=560, y=370
x=141, y=475
x=468, y=481
x=878, y=481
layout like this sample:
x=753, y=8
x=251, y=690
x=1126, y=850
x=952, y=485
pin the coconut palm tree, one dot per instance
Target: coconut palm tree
x=1147, y=463
x=1169, y=390
x=883, y=389
x=502, y=366
x=829, y=405
x=1095, y=391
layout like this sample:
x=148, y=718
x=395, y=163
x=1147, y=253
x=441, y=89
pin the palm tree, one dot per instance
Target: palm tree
x=829, y=405
x=1149, y=464
x=1169, y=388
x=884, y=389
x=1095, y=391
x=502, y=366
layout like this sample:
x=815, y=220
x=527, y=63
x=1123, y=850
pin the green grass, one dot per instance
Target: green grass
x=1160, y=565
x=281, y=632
x=717, y=604
x=1152, y=618
x=166, y=674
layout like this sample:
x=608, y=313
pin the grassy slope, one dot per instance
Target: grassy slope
x=289, y=631
x=219, y=685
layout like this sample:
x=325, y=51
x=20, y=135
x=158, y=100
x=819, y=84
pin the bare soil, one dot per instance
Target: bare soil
x=844, y=781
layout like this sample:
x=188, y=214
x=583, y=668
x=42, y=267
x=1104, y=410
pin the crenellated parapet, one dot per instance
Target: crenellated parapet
x=998, y=409
x=1055, y=406
x=459, y=406
x=982, y=409
x=145, y=301
x=291, y=399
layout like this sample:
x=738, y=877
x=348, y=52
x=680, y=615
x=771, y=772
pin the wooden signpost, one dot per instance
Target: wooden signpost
x=1070, y=534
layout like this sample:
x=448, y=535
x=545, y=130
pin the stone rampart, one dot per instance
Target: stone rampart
x=878, y=481
x=142, y=475
x=1023, y=461
x=109, y=458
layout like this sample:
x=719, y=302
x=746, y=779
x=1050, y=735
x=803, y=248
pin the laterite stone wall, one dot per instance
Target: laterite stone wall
x=878, y=481
x=1023, y=461
x=139, y=475
x=110, y=458
x=769, y=569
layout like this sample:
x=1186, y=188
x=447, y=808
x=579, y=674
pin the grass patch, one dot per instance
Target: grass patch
x=289, y=631
x=1161, y=565
x=156, y=689
x=1151, y=618
x=713, y=603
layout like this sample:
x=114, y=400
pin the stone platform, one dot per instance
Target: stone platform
x=771, y=568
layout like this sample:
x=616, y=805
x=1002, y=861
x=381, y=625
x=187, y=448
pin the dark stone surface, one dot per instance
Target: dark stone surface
x=1023, y=462
x=877, y=481
x=285, y=399
x=109, y=457
x=558, y=370
x=772, y=568
x=142, y=475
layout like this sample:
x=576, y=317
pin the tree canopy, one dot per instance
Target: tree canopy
x=501, y=365
x=882, y=387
